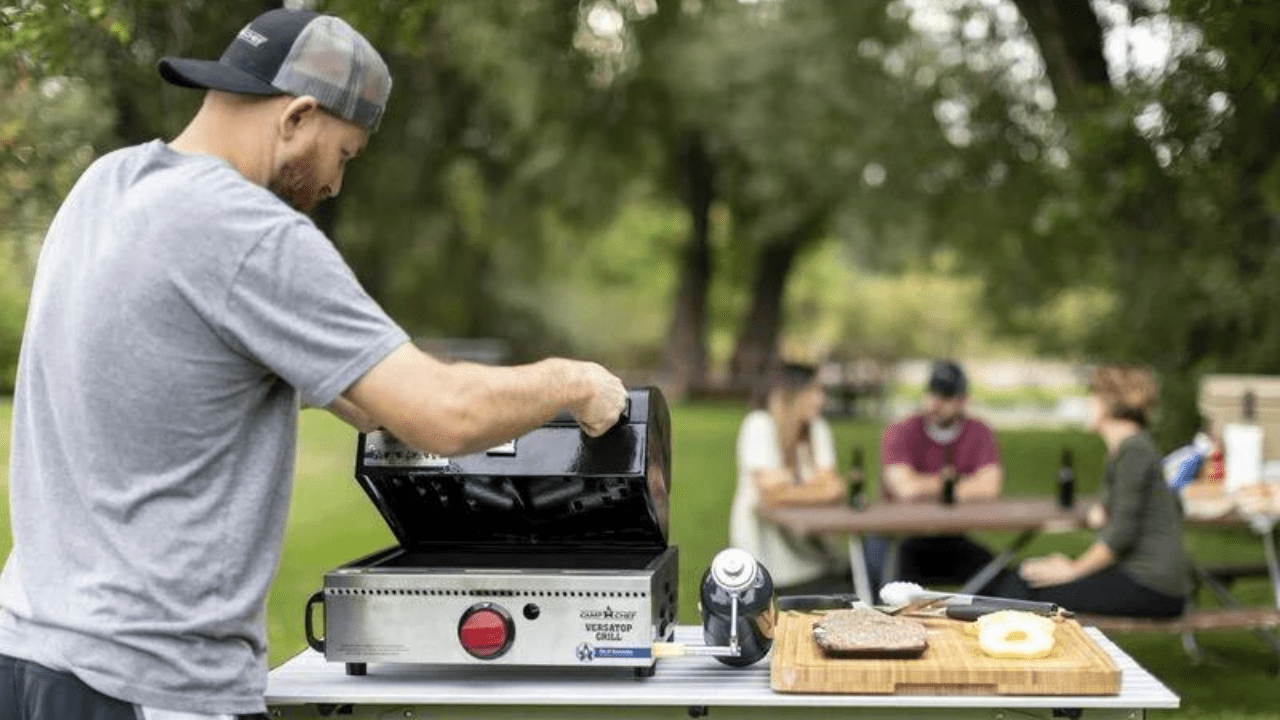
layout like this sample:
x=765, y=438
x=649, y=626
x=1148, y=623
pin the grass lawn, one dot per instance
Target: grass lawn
x=331, y=522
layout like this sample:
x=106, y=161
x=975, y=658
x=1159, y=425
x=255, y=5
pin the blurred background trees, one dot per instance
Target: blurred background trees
x=697, y=186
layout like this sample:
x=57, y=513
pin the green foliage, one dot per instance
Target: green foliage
x=47, y=130
x=47, y=37
x=518, y=134
x=13, y=311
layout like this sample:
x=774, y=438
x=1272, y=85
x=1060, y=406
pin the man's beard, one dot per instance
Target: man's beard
x=296, y=183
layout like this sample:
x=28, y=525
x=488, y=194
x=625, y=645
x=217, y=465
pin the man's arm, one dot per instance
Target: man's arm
x=455, y=408
x=983, y=484
x=352, y=415
x=909, y=485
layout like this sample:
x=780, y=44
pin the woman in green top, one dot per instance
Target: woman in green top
x=1137, y=566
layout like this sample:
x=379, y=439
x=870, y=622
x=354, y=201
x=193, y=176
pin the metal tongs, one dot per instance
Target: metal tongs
x=955, y=606
x=959, y=606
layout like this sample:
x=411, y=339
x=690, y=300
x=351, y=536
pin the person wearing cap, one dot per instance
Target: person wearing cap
x=183, y=308
x=917, y=455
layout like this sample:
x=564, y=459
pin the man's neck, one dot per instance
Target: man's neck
x=943, y=434
x=229, y=134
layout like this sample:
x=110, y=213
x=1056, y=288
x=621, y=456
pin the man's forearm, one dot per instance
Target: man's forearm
x=908, y=484
x=497, y=403
x=456, y=408
x=983, y=484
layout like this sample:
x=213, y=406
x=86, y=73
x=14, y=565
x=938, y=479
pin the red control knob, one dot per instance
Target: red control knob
x=486, y=631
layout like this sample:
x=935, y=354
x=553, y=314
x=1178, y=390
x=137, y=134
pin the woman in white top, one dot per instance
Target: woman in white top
x=786, y=456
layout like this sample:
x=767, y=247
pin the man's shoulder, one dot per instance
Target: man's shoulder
x=193, y=182
x=977, y=427
x=911, y=425
x=206, y=196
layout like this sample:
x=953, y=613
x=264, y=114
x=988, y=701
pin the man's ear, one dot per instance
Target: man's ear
x=300, y=111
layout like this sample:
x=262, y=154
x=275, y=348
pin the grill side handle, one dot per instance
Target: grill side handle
x=316, y=643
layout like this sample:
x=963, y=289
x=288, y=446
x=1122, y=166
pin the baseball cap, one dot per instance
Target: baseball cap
x=947, y=379
x=296, y=52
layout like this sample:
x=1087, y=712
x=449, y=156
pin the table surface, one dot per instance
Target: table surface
x=903, y=519
x=688, y=681
x=1032, y=513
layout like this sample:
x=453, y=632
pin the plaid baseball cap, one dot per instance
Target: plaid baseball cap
x=296, y=52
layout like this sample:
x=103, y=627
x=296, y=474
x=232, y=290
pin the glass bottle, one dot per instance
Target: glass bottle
x=1066, y=480
x=857, y=481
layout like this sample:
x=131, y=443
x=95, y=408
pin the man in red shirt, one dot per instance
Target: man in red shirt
x=917, y=455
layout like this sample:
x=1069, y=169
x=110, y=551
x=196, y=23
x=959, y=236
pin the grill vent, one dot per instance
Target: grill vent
x=432, y=592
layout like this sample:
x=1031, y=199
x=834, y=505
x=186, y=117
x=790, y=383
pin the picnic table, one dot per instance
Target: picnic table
x=896, y=521
x=1028, y=517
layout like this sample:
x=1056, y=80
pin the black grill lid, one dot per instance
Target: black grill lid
x=554, y=488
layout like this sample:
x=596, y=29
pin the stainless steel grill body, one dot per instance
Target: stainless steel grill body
x=549, y=550
x=376, y=613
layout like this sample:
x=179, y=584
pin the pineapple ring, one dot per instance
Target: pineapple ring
x=1015, y=635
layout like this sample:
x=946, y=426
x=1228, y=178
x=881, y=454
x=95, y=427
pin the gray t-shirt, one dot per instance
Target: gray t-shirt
x=177, y=314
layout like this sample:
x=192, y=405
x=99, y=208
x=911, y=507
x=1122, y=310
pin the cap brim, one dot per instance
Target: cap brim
x=213, y=75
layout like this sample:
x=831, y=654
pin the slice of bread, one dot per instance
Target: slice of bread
x=863, y=632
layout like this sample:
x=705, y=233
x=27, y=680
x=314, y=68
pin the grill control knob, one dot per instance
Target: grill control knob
x=486, y=631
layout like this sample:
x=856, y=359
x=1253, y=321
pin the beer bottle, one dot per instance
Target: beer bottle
x=1066, y=481
x=949, y=480
x=857, y=481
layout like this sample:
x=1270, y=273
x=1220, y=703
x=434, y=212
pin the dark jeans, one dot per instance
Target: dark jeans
x=1109, y=592
x=929, y=561
x=30, y=691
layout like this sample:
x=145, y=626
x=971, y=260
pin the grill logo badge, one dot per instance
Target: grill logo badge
x=585, y=653
x=607, y=613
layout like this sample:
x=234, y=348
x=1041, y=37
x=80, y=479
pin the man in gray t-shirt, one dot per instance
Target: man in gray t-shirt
x=182, y=309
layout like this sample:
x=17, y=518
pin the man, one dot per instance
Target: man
x=918, y=455
x=180, y=311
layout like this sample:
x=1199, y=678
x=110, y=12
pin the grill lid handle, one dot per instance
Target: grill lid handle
x=564, y=417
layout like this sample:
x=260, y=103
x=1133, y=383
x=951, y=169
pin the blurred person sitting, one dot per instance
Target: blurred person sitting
x=786, y=456
x=917, y=456
x=1137, y=566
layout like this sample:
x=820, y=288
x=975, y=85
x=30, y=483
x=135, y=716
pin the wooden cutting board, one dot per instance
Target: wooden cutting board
x=952, y=665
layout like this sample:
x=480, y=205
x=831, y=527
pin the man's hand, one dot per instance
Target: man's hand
x=605, y=398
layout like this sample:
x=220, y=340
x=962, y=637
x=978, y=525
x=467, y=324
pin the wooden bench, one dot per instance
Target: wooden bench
x=1262, y=620
x=1230, y=573
x=1204, y=620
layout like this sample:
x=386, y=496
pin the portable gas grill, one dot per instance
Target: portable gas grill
x=549, y=550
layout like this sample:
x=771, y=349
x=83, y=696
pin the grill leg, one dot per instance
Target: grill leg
x=357, y=668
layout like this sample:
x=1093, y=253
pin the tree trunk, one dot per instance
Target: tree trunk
x=687, y=342
x=1070, y=40
x=757, y=345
